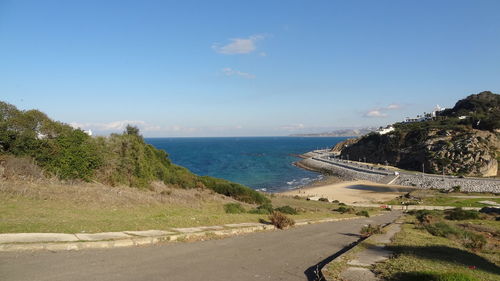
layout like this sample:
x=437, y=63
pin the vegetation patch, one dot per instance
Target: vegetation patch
x=345, y=209
x=363, y=213
x=369, y=230
x=460, y=214
x=432, y=276
x=443, y=250
x=280, y=220
x=286, y=210
x=234, y=208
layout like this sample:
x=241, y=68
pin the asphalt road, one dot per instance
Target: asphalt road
x=278, y=255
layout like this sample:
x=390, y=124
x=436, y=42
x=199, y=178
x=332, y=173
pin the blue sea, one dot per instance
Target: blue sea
x=263, y=163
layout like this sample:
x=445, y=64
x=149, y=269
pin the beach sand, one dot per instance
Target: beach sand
x=352, y=191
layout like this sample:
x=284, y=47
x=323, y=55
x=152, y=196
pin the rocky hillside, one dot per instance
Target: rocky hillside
x=464, y=140
x=343, y=144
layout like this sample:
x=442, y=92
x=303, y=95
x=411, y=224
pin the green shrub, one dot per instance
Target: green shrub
x=363, y=213
x=237, y=191
x=233, y=208
x=472, y=240
x=286, y=210
x=259, y=211
x=432, y=276
x=369, y=230
x=460, y=214
x=280, y=220
x=345, y=209
x=456, y=188
x=442, y=229
x=468, y=239
x=323, y=199
x=425, y=216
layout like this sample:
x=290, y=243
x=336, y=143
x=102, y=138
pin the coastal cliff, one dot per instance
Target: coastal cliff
x=464, y=140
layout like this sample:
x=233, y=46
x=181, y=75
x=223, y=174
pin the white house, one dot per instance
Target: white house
x=383, y=131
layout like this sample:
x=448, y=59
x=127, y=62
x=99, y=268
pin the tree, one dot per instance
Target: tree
x=132, y=130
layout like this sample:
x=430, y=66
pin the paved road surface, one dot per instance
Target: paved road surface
x=278, y=255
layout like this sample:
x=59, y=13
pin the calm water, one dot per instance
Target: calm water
x=259, y=162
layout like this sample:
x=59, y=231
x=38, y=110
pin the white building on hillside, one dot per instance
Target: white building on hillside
x=383, y=131
x=426, y=116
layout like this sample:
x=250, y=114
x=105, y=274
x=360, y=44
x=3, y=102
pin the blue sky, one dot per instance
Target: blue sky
x=244, y=68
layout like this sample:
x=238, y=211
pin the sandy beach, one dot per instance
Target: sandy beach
x=352, y=191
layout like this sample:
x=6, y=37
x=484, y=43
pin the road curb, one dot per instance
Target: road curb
x=142, y=241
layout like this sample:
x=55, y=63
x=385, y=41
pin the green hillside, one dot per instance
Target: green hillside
x=118, y=159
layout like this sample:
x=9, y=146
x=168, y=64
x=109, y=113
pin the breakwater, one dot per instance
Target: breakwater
x=355, y=171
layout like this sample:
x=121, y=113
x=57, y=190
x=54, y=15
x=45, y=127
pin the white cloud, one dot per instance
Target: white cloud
x=375, y=114
x=231, y=72
x=116, y=126
x=238, y=45
x=381, y=112
x=393, y=106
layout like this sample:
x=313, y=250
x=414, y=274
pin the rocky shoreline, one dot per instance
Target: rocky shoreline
x=418, y=181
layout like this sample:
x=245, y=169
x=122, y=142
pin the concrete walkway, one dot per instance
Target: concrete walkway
x=359, y=266
x=412, y=207
x=79, y=241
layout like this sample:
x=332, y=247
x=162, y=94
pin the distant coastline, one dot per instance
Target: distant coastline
x=340, y=133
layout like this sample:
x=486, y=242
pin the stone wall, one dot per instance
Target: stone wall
x=466, y=184
x=343, y=171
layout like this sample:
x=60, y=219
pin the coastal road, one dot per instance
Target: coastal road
x=278, y=255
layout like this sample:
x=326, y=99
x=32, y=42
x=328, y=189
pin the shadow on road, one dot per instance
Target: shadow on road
x=313, y=273
x=351, y=234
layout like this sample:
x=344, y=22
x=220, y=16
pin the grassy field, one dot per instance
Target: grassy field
x=418, y=253
x=436, y=198
x=95, y=208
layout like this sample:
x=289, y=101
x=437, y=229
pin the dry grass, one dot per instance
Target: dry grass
x=93, y=194
x=53, y=206
x=20, y=168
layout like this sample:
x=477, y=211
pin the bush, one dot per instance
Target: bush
x=490, y=210
x=363, y=213
x=368, y=230
x=468, y=239
x=442, y=229
x=280, y=220
x=460, y=214
x=472, y=240
x=286, y=210
x=456, y=188
x=425, y=216
x=268, y=207
x=237, y=191
x=323, y=199
x=432, y=276
x=234, y=208
x=345, y=209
